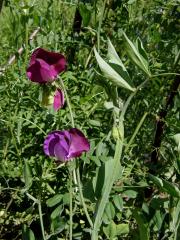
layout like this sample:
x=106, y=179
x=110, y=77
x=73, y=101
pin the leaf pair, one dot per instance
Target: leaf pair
x=137, y=54
x=115, y=69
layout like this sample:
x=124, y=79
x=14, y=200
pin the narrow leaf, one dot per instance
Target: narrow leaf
x=27, y=175
x=54, y=200
x=143, y=226
x=57, y=212
x=27, y=233
x=166, y=186
x=135, y=55
x=113, y=56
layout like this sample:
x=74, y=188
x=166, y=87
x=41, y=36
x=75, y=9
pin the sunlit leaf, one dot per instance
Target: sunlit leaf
x=137, y=54
x=110, y=73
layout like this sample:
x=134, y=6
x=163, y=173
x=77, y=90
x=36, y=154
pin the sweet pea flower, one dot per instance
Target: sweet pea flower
x=44, y=66
x=65, y=145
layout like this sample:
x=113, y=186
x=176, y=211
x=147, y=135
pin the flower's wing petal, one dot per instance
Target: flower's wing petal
x=60, y=153
x=79, y=143
x=58, y=99
x=61, y=149
x=40, y=72
x=50, y=142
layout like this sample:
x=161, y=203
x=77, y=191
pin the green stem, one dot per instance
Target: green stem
x=71, y=115
x=99, y=26
x=70, y=207
x=164, y=74
x=68, y=101
x=41, y=219
x=135, y=132
x=26, y=43
x=82, y=198
x=38, y=201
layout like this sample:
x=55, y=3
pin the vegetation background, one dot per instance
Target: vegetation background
x=144, y=202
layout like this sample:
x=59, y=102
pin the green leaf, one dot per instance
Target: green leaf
x=176, y=138
x=141, y=50
x=143, y=226
x=57, y=212
x=116, y=63
x=113, y=230
x=99, y=180
x=122, y=229
x=176, y=218
x=130, y=193
x=165, y=186
x=110, y=230
x=137, y=54
x=118, y=201
x=27, y=233
x=85, y=13
x=27, y=175
x=109, y=180
x=110, y=211
x=54, y=200
x=110, y=73
x=113, y=56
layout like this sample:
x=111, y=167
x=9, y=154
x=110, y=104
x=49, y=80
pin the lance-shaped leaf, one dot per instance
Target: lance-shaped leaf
x=113, y=56
x=165, y=186
x=117, y=64
x=110, y=73
x=137, y=54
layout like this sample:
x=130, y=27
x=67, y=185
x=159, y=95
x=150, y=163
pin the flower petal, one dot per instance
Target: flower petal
x=65, y=145
x=58, y=99
x=50, y=141
x=79, y=143
x=57, y=144
x=40, y=72
x=56, y=63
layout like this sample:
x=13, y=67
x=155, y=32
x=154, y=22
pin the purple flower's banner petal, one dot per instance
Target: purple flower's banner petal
x=45, y=66
x=50, y=141
x=79, y=143
x=58, y=99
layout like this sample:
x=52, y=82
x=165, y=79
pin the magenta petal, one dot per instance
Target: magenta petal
x=58, y=99
x=40, y=72
x=79, y=143
x=45, y=66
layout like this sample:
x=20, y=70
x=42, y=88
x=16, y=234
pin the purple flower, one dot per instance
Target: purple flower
x=44, y=66
x=65, y=145
x=58, y=99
